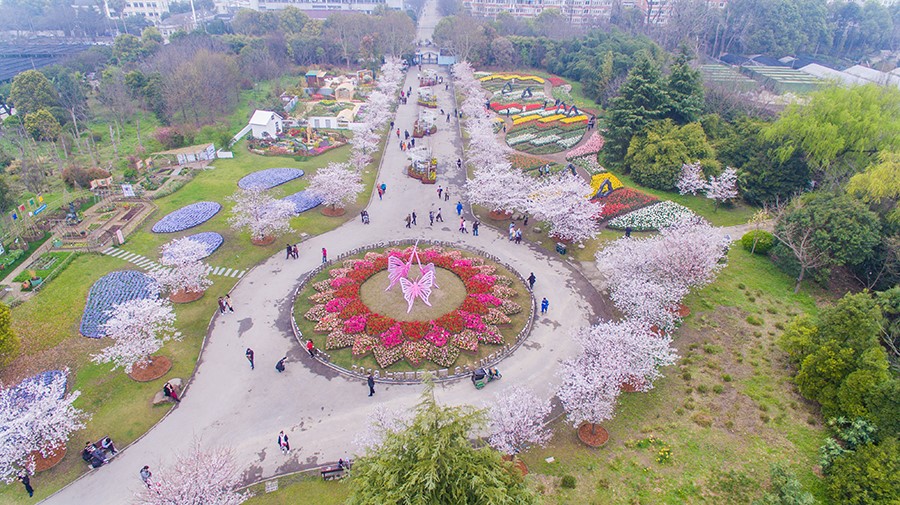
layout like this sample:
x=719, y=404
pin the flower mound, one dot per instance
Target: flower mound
x=269, y=178
x=654, y=217
x=303, y=201
x=186, y=217
x=339, y=312
x=592, y=146
x=111, y=290
x=210, y=239
x=623, y=200
x=41, y=379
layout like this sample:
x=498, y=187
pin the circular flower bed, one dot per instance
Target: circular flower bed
x=466, y=328
x=186, y=217
x=269, y=178
x=303, y=201
x=653, y=217
x=110, y=290
x=210, y=239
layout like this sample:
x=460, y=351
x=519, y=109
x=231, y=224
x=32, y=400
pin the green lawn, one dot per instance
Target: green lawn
x=295, y=489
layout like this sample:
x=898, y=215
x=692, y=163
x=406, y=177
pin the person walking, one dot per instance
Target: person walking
x=398, y=133
x=145, y=476
x=406, y=134
x=26, y=481
x=280, y=365
x=392, y=125
x=447, y=194
x=458, y=163
x=414, y=218
x=531, y=280
x=311, y=348
x=518, y=236
x=380, y=193
x=512, y=230
x=438, y=217
x=289, y=249
x=249, y=355
x=430, y=218
x=371, y=382
x=475, y=224
x=448, y=118
x=545, y=304
x=228, y=301
x=462, y=225
x=440, y=190
x=627, y=232
x=221, y=305
x=383, y=188
x=459, y=208
x=324, y=255
x=413, y=142
x=296, y=251
x=283, y=442
x=408, y=220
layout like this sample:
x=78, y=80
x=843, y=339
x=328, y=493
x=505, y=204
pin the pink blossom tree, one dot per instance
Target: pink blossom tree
x=261, y=214
x=197, y=477
x=336, y=185
x=185, y=272
x=138, y=328
x=498, y=187
x=691, y=181
x=517, y=420
x=35, y=418
x=628, y=351
x=563, y=202
x=587, y=392
x=724, y=187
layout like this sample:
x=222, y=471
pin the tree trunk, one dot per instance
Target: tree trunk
x=112, y=139
x=138, y=130
x=799, y=279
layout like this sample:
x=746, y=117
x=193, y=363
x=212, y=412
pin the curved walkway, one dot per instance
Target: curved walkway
x=229, y=405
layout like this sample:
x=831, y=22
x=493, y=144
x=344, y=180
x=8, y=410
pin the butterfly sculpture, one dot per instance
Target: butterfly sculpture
x=419, y=288
x=397, y=269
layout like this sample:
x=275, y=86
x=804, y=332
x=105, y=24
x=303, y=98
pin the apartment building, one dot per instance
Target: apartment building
x=325, y=5
x=577, y=11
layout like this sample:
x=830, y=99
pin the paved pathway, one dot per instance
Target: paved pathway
x=227, y=404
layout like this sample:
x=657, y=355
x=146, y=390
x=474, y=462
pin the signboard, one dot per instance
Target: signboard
x=127, y=191
x=40, y=209
x=2, y=250
x=119, y=237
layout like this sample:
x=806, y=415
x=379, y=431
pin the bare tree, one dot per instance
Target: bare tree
x=798, y=237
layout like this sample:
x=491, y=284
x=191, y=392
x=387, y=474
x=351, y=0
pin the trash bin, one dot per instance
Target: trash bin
x=561, y=248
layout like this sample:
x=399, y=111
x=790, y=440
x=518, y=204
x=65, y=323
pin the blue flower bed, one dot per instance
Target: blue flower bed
x=303, y=201
x=43, y=378
x=110, y=290
x=187, y=217
x=210, y=239
x=269, y=178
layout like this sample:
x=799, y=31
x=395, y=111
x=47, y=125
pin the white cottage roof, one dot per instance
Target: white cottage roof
x=262, y=117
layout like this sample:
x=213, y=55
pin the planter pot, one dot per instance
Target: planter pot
x=517, y=463
x=682, y=310
x=41, y=463
x=593, y=435
x=263, y=241
x=156, y=368
x=627, y=387
x=186, y=296
x=328, y=211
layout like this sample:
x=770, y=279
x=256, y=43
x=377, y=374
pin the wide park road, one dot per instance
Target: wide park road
x=229, y=405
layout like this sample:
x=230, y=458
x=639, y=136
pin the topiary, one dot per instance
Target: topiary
x=763, y=240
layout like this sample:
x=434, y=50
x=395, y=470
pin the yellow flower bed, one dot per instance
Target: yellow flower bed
x=525, y=119
x=514, y=76
x=597, y=181
x=574, y=119
x=550, y=119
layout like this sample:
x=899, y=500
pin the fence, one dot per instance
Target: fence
x=440, y=375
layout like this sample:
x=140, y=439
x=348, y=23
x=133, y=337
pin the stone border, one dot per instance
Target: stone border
x=439, y=375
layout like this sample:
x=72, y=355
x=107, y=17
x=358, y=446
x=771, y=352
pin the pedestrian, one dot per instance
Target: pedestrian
x=383, y=187
x=228, y=297
x=512, y=231
x=26, y=481
x=531, y=281
x=442, y=112
x=406, y=134
x=280, y=365
x=380, y=193
x=545, y=304
x=458, y=163
x=296, y=251
x=392, y=125
x=249, y=354
x=438, y=216
x=371, y=382
x=462, y=225
x=283, y=442
x=413, y=142
x=430, y=218
x=440, y=190
x=324, y=255
x=504, y=127
x=448, y=118
x=414, y=218
x=475, y=224
x=447, y=195
x=627, y=231
x=311, y=348
x=446, y=86
x=398, y=133
x=458, y=208
x=408, y=220
x=401, y=145
x=288, y=250
x=518, y=235
x=526, y=220
x=145, y=476
x=221, y=305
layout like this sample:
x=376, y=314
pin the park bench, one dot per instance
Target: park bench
x=333, y=473
x=106, y=453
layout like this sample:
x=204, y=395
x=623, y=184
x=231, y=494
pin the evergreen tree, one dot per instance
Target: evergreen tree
x=685, y=87
x=433, y=461
x=642, y=99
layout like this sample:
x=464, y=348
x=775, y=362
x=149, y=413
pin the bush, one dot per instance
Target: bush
x=83, y=176
x=568, y=482
x=869, y=475
x=169, y=137
x=765, y=241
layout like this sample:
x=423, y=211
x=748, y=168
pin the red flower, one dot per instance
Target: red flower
x=452, y=322
x=415, y=330
x=378, y=324
x=623, y=200
x=472, y=305
x=347, y=291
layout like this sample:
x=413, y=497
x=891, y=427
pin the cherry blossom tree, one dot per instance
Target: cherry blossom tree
x=691, y=181
x=653, y=302
x=185, y=272
x=517, y=420
x=628, y=350
x=336, y=185
x=724, y=187
x=197, y=477
x=563, y=202
x=381, y=421
x=587, y=392
x=498, y=187
x=35, y=418
x=138, y=329
x=260, y=213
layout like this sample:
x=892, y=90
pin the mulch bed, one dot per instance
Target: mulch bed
x=41, y=463
x=186, y=296
x=263, y=241
x=518, y=464
x=593, y=435
x=499, y=216
x=158, y=366
x=683, y=310
x=328, y=211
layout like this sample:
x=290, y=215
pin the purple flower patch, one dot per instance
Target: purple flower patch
x=269, y=178
x=111, y=290
x=210, y=239
x=303, y=201
x=186, y=217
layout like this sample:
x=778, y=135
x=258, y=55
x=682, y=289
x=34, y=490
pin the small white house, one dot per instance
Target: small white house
x=265, y=124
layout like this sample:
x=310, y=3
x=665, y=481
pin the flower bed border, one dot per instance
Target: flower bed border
x=439, y=375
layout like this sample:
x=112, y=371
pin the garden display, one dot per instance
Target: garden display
x=42, y=379
x=339, y=311
x=187, y=217
x=589, y=164
x=654, y=217
x=298, y=142
x=623, y=200
x=592, y=146
x=603, y=184
x=210, y=239
x=545, y=137
x=269, y=178
x=303, y=201
x=108, y=292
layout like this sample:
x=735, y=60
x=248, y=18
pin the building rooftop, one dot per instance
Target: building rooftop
x=262, y=117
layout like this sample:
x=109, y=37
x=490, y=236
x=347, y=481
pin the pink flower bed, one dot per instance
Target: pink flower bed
x=592, y=146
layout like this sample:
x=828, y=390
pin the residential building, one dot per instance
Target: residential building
x=325, y=5
x=153, y=10
x=579, y=12
x=265, y=123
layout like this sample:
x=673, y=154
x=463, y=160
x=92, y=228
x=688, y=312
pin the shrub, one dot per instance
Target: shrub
x=568, y=482
x=169, y=137
x=755, y=320
x=765, y=241
x=9, y=342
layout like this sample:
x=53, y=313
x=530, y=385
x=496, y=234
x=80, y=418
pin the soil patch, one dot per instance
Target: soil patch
x=593, y=435
x=448, y=297
x=263, y=241
x=41, y=463
x=186, y=296
x=499, y=216
x=328, y=211
x=158, y=366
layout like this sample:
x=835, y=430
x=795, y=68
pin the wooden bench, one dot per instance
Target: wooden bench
x=333, y=473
